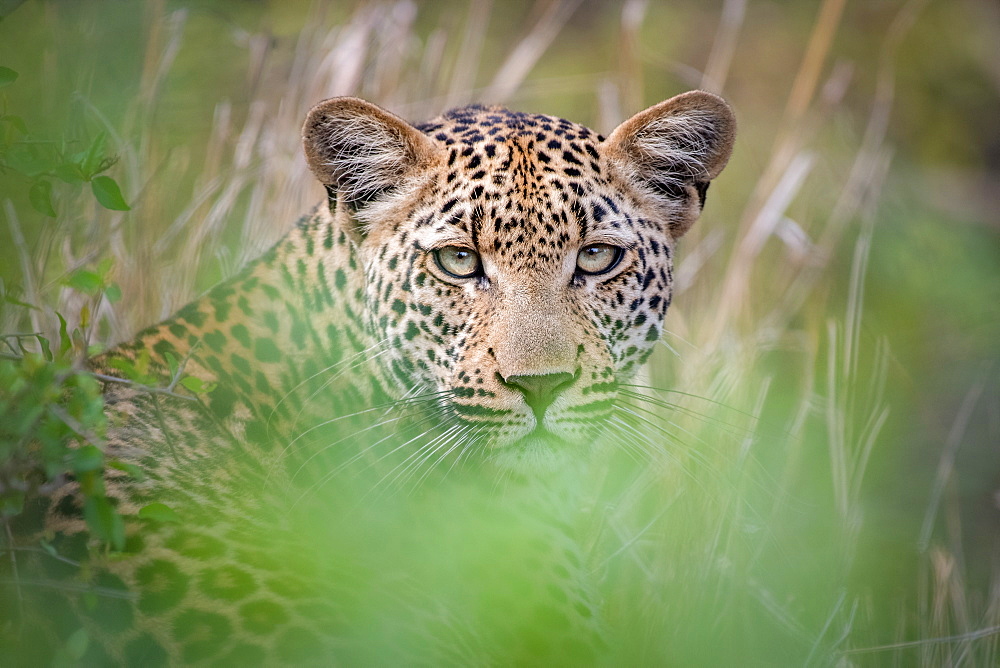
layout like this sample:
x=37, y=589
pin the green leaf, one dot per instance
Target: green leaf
x=134, y=370
x=87, y=282
x=173, y=363
x=79, y=340
x=87, y=458
x=77, y=643
x=16, y=122
x=94, y=155
x=46, y=350
x=12, y=504
x=7, y=76
x=20, y=345
x=158, y=512
x=47, y=546
x=104, y=522
x=65, y=342
x=40, y=196
x=133, y=470
x=17, y=302
x=197, y=385
x=113, y=292
x=104, y=266
x=69, y=172
x=108, y=193
x=28, y=159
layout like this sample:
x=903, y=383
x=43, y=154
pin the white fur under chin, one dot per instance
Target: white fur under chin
x=540, y=454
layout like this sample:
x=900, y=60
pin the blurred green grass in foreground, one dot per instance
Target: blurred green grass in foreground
x=824, y=485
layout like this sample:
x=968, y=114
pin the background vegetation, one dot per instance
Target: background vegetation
x=829, y=409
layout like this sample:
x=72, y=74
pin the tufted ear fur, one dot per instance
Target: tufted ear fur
x=675, y=148
x=360, y=151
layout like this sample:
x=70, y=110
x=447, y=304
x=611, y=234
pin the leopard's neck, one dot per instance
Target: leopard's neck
x=283, y=334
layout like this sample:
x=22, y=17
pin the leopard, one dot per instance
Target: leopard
x=473, y=290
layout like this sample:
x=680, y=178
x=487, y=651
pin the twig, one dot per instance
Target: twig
x=630, y=82
x=142, y=387
x=807, y=78
x=24, y=256
x=54, y=555
x=69, y=585
x=13, y=567
x=947, y=461
x=724, y=46
x=527, y=52
x=464, y=74
x=180, y=367
x=75, y=425
x=971, y=635
x=164, y=429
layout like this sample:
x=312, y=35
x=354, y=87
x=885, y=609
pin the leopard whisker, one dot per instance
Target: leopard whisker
x=414, y=458
x=631, y=409
x=410, y=404
x=697, y=454
x=363, y=360
x=459, y=443
x=426, y=454
x=320, y=451
x=362, y=453
x=633, y=448
x=477, y=437
x=688, y=411
x=638, y=443
x=360, y=354
x=384, y=406
x=632, y=429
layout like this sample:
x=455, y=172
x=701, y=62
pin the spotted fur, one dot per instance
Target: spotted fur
x=355, y=309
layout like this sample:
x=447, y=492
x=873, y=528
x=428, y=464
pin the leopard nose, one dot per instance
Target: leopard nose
x=540, y=390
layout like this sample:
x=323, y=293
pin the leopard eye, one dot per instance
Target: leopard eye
x=457, y=261
x=598, y=258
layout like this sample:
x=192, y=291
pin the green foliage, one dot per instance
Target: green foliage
x=108, y=194
x=689, y=562
x=7, y=76
x=197, y=385
x=74, y=649
x=158, y=512
x=52, y=421
x=37, y=162
x=52, y=426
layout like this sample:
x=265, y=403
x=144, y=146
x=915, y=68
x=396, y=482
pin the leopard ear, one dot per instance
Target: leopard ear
x=360, y=151
x=674, y=149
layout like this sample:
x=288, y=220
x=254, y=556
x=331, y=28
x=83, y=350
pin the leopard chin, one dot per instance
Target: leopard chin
x=540, y=452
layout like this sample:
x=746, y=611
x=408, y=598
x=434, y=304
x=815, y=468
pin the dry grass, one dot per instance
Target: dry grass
x=744, y=295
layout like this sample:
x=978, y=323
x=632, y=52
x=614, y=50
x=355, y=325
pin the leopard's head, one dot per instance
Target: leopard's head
x=520, y=265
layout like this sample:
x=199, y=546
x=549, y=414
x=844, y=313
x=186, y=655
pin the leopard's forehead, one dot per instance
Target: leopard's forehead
x=522, y=189
x=475, y=124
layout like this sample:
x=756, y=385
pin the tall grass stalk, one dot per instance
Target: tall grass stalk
x=700, y=539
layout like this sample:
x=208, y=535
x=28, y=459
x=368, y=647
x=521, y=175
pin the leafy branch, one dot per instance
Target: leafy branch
x=40, y=162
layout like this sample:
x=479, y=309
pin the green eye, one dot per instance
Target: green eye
x=598, y=258
x=458, y=262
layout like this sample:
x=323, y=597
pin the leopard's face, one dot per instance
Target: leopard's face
x=521, y=269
